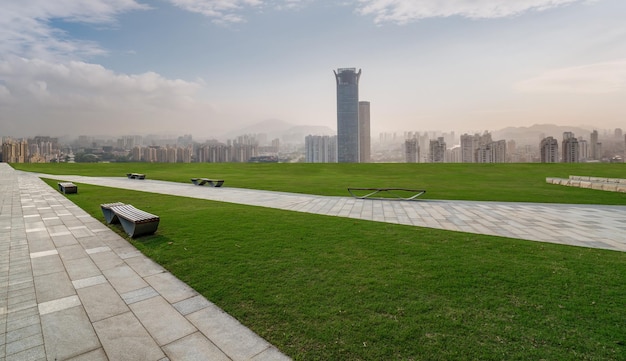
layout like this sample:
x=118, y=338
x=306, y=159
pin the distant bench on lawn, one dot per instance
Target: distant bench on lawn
x=402, y=194
x=67, y=187
x=211, y=182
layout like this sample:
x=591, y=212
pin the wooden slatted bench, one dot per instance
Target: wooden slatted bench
x=402, y=194
x=67, y=187
x=211, y=182
x=134, y=221
x=109, y=215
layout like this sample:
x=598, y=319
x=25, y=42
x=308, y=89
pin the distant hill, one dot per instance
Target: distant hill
x=534, y=133
x=285, y=131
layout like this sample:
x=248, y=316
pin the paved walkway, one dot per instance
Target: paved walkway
x=595, y=226
x=70, y=288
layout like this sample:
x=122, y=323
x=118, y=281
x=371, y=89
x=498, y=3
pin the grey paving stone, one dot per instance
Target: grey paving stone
x=234, y=339
x=24, y=344
x=34, y=353
x=87, y=282
x=80, y=268
x=162, y=320
x=23, y=332
x=191, y=305
x=170, y=287
x=68, y=333
x=139, y=295
x=124, y=279
x=64, y=239
x=95, y=355
x=47, y=265
x=195, y=347
x=124, y=338
x=53, y=286
x=58, y=305
x=107, y=260
x=101, y=301
x=71, y=252
x=144, y=266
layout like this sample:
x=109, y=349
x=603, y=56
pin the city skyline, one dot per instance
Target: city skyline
x=204, y=67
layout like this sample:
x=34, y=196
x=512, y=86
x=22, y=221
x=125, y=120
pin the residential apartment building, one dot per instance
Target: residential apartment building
x=549, y=150
x=320, y=149
x=437, y=151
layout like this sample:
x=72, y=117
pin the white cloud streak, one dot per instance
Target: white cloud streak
x=25, y=28
x=599, y=78
x=230, y=11
x=405, y=11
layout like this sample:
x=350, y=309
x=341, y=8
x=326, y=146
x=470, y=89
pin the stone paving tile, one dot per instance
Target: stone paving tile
x=228, y=334
x=162, y=321
x=194, y=347
x=139, y=295
x=170, y=287
x=68, y=333
x=53, y=286
x=101, y=301
x=95, y=355
x=80, y=268
x=124, y=279
x=124, y=338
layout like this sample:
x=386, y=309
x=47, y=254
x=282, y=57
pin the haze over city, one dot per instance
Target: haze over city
x=206, y=67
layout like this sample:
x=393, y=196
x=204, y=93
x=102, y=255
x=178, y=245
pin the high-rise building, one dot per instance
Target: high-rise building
x=437, y=152
x=593, y=145
x=570, y=148
x=412, y=150
x=469, y=145
x=494, y=152
x=347, y=115
x=549, y=148
x=320, y=149
x=364, y=132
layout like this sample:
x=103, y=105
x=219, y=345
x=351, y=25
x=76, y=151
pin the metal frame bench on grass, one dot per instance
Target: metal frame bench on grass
x=211, y=182
x=135, y=176
x=134, y=221
x=394, y=193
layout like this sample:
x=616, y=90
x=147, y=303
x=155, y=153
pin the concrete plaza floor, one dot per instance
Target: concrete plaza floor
x=72, y=289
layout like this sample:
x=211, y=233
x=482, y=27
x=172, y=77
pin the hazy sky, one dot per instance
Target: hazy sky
x=206, y=66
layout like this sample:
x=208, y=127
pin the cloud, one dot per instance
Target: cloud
x=405, y=11
x=85, y=97
x=25, y=28
x=230, y=11
x=599, y=78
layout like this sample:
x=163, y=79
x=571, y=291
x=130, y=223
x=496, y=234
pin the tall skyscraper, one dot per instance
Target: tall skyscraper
x=347, y=115
x=593, y=145
x=364, y=132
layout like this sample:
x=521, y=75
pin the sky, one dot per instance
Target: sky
x=207, y=67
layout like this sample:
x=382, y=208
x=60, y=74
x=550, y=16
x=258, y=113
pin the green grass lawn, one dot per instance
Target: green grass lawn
x=488, y=182
x=330, y=288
